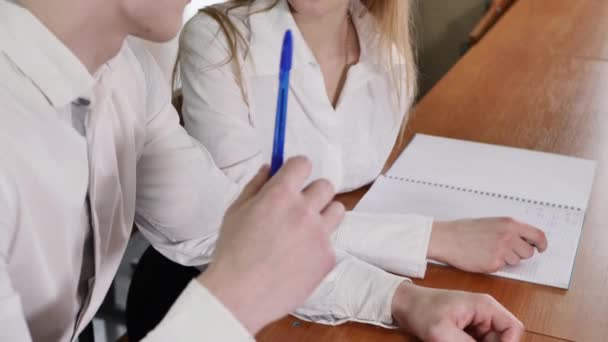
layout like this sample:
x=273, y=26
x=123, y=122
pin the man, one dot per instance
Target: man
x=83, y=156
x=89, y=143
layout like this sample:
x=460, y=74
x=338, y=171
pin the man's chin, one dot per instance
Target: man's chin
x=159, y=36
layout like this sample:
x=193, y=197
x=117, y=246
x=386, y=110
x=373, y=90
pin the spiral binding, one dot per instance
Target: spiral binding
x=485, y=193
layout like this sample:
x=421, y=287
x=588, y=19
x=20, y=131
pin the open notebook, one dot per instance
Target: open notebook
x=451, y=179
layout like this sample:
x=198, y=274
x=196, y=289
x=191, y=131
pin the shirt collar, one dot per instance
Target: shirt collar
x=41, y=56
x=268, y=28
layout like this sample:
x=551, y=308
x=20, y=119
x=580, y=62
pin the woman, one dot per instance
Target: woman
x=353, y=80
x=352, y=83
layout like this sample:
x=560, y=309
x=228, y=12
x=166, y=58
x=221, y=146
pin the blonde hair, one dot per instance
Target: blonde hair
x=394, y=20
x=394, y=23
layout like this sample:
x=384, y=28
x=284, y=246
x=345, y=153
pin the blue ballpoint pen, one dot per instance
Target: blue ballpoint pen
x=281, y=115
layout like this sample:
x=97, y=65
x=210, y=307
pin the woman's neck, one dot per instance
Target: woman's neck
x=326, y=34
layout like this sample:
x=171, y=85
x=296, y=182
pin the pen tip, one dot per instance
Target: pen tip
x=287, y=51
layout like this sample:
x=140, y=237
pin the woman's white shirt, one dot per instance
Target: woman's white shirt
x=348, y=144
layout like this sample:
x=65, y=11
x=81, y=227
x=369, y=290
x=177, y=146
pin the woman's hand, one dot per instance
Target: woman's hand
x=484, y=245
x=441, y=315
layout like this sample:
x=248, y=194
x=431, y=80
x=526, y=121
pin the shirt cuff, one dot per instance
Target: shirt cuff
x=354, y=291
x=197, y=315
x=396, y=243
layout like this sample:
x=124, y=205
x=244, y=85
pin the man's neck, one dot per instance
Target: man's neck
x=324, y=35
x=92, y=31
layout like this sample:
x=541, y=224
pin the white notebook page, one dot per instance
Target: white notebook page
x=450, y=179
x=535, y=175
x=561, y=226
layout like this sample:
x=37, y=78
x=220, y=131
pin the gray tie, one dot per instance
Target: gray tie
x=80, y=111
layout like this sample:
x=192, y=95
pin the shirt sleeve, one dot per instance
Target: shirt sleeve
x=13, y=325
x=394, y=242
x=354, y=291
x=216, y=114
x=215, y=109
x=181, y=194
x=198, y=316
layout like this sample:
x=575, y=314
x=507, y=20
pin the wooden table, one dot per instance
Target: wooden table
x=538, y=80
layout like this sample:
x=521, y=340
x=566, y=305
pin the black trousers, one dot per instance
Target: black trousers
x=156, y=284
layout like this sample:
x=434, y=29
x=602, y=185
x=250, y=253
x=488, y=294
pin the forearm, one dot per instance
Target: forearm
x=199, y=315
x=353, y=291
x=402, y=301
x=395, y=243
x=13, y=325
x=238, y=296
x=181, y=200
x=439, y=238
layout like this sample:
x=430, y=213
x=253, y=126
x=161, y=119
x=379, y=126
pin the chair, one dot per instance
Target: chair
x=157, y=282
x=496, y=9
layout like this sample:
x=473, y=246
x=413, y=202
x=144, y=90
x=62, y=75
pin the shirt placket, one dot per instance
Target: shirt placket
x=80, y=109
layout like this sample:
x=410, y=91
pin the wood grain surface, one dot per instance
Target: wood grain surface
x=538, y=80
